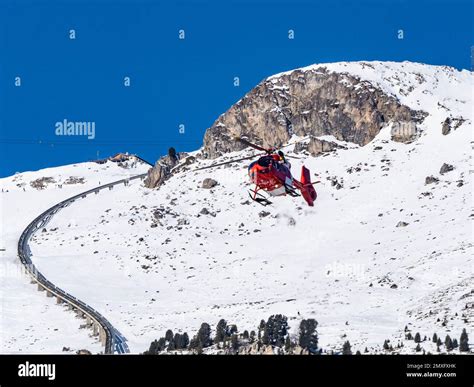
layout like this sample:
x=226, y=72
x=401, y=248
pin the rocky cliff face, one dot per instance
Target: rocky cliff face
x=312, y=102
x=164, y=167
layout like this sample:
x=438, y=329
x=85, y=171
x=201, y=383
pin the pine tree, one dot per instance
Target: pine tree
x=204, y=335
x=464, y=341
x=418, y=348
x=266, y=336
x=156, y=346
x=409, y=336
x=346, y=348
x=234, y=342
x=417, y=337
x=153, y=348
x=268, y=330
x=448, y=343
x=252, y=336
x=194, y=343
x=435, y=338
x=308, y=336
x=282, y=330
x=246, y=335
x=287, y=344
x=221, y=331
x=178, y=342
x=162, y=344
x=231, y=329
x=172, y=344
x=169, y=335
x=455, y=343
x=185, y=340
x=386, y=345
x=275, y=330
x=438, y=343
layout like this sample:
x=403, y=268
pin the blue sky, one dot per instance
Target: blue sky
x=186, y=82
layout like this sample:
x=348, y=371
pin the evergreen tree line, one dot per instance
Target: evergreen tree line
x=273, y=332
x=449, y=343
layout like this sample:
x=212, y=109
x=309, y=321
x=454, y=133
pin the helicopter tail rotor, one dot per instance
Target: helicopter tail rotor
x=306, y=187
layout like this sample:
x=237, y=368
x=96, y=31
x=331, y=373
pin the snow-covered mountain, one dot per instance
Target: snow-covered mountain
x=388, y=243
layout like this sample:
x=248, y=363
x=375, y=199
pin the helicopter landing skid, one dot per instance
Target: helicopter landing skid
x=291, y=191
x=259, y=198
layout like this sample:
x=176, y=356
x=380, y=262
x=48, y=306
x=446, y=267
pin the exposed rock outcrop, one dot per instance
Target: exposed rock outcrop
x=163, y=168
x=255, y=349
x=445, y=168
x=431, y=180
x=74, y=180
x=121, y=157
x=83, y=352
x=208, y=183
x=307, y=102
x=402, y=224
x=42, y=182
x=451, y=123
x=405, y=132
x=316, y=146
x=156, y=175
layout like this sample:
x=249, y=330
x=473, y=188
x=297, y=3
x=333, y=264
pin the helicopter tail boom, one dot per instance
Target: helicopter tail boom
x=306, y=187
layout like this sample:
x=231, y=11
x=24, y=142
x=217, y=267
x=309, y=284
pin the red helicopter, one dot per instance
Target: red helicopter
x=271, y=173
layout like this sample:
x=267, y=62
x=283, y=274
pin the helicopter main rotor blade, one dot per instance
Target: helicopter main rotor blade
x=268, y=150
x=248, y=143
x=227, y=162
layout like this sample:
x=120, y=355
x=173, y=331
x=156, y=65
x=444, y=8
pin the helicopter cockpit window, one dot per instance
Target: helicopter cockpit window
x=265, y=161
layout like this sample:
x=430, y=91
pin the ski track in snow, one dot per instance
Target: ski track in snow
x=337, y=262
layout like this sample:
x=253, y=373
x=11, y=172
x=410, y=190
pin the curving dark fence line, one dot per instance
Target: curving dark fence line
x=111, y=338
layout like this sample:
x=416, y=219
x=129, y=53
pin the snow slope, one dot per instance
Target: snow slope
x=30, y=322
x=161, y=262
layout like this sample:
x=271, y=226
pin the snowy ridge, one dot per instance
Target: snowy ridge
x=417, y=85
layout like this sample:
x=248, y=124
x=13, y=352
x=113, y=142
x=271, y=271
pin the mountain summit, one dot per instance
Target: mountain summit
x=351, y=101
x=385, y=253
